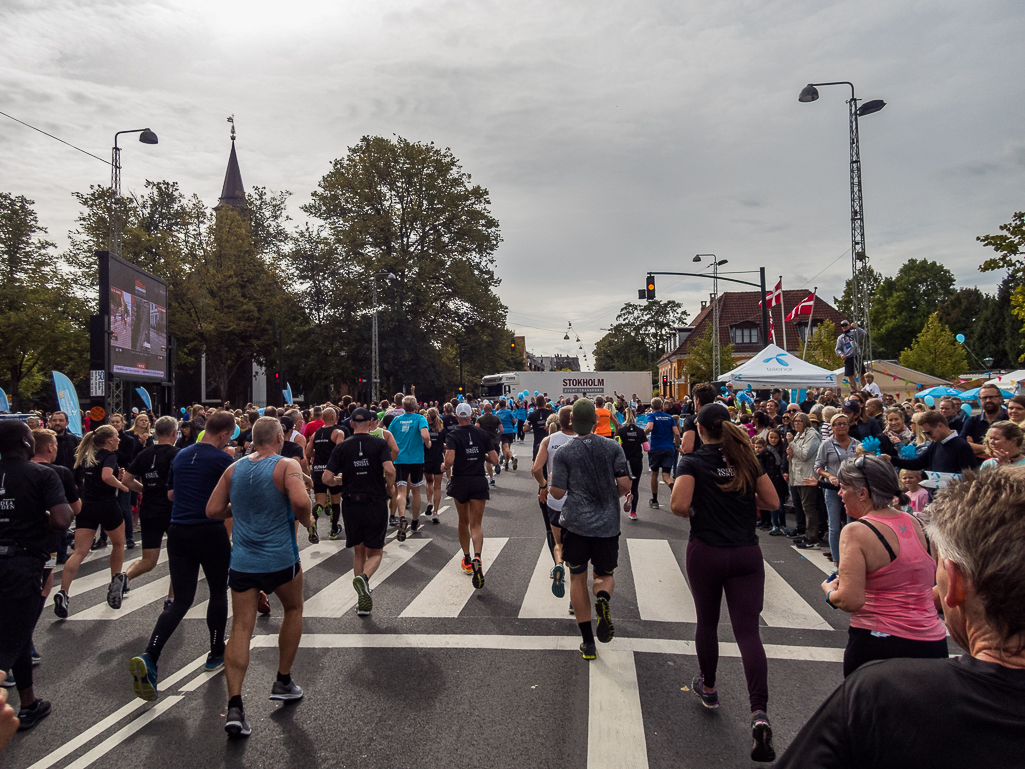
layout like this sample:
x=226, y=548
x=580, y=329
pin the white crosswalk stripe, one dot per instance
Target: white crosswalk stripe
x=659, y=585
x=448, y=592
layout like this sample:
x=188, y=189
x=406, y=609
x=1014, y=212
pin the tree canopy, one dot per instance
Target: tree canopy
x=903, y=303
x=699, y=364
x=936, y=351
x=637, y=338
x=1009, y=246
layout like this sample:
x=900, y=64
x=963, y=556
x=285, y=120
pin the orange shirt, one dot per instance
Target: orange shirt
x=604, y=425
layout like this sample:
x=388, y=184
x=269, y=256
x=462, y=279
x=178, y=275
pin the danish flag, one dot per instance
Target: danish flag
x=776, y=295
x=804, y=307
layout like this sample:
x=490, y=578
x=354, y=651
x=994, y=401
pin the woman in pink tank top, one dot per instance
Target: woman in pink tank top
x=887, y=571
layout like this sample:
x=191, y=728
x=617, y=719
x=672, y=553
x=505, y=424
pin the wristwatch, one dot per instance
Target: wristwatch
x=829, y=601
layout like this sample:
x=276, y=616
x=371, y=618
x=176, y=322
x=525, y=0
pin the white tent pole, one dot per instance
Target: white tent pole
x=811, y=317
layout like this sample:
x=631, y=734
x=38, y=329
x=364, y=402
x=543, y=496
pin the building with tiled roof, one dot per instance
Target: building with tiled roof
x=740, y=324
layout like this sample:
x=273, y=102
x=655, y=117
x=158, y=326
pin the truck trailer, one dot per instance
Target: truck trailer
x=555, y=384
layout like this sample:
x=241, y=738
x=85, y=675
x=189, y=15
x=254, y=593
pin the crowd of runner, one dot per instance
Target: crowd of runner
x=231, y=491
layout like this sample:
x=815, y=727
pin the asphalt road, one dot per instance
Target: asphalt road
x=441, y=675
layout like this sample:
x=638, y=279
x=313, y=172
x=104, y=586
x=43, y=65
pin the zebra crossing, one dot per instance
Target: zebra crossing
x=655, y=588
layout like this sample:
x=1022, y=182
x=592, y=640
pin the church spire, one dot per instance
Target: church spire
x=232, y=193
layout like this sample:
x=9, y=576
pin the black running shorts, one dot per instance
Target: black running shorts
x=319, y=487
x=366, y=523
x=463, y=488
x=96, y=514
x=409, y=475
x=153, y=529
x=602, y=552
x=241, y=581
x=507, y=437
x=434, y=468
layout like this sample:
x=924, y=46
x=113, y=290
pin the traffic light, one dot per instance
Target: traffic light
x=460, y=388
x=512, y=345
x=665, y=384
x=649, y=287
x=277, y=377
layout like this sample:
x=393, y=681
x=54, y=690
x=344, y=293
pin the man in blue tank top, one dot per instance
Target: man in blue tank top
x=267, y=495
x=412, y=436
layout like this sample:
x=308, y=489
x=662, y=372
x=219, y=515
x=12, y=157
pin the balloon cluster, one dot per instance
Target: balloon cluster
x=743, y=397
x=871, y=445
x=908, y=452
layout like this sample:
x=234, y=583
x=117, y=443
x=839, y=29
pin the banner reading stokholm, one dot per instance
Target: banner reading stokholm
x=68, y=400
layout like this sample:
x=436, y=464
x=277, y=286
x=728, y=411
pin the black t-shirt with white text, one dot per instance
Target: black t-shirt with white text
x=435, y=455
x=94, y=489
x=537, y=419
x=718, y=518
x=323, y=446
x=471, y=445
x=27, y=491
x=632, y=438
x=360, y=461
x=150, y=467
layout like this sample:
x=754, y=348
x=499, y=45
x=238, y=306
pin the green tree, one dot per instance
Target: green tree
x=845, y=303
x=409, y=209
x=699, y=363
x=902, y=304
x=1009, y=246
x=42, y=321
x=638, y=335
x=822, y=347
x=935, y=351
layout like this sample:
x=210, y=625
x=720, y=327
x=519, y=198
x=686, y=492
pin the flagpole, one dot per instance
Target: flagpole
x=782, y=312
x=811, y=317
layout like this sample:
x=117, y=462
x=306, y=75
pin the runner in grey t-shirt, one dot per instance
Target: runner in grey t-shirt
x=592, y=474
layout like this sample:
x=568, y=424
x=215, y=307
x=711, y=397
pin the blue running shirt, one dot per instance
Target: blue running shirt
x=406, y=430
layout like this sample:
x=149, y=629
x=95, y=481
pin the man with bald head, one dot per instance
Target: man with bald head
x=318, y=451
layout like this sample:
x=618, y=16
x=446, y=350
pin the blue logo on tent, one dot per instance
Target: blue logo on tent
x=779, y=359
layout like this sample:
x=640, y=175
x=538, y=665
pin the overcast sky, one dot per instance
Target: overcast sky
x=614, y=137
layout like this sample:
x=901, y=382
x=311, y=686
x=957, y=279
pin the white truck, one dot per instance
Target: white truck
x=568, y=383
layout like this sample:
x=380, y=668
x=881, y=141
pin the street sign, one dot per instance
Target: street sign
x=97, y=383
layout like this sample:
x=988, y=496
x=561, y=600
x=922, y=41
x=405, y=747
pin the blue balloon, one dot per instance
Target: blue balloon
x=960, y=338
x=235, y=434
x=182, y=409
x=966, y=409
x=930, y=401
x=536, y=393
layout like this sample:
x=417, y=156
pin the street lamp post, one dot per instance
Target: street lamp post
x=860, y=299
x=375, y=373
x=146, y=136
x=716, y=264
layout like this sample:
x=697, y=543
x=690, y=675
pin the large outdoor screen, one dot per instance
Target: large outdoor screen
x=138, y=323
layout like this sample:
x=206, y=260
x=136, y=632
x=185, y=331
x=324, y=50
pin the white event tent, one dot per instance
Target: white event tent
x=775, y=367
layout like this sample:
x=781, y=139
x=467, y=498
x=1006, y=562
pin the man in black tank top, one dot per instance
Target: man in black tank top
x=318, y=451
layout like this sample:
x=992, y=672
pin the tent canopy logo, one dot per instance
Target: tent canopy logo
x=780, y=359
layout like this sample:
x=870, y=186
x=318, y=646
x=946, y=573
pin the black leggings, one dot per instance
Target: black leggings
x=864, y=647
x=739, y=573
x=188, y=549
x=18, y=617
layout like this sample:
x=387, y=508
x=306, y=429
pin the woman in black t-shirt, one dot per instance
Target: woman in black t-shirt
x=434, y=460
x=725, y=485
x=97, y=457
x=632, y=439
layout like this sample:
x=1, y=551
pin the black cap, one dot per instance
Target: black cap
x=361, y=415
x=713, y=413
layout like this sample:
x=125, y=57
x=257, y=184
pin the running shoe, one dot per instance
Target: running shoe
x=393, y=521
x=605, y=631
x=414, y=525
x=286, y=692
x=144, y=677
x=264, y=605
x=571, y=607
x=401, y=535
x=429, y=510
x=127, y=586
x=9, y=682
x=36, y=656
x=435, y=519
x=312, y=533
x=628, y=503
x=761, y=734
x=335, y=532
x=99, y=544
x=60, y=604
x=365, y=603
x=653, y=503
x=130, y=544
x=498, y=469
x=213, y=662
x=559, y=581
x=516, y=463
x=492, y=482
x=235, y=723
x=709, y=699
x=776, y=531
x=478, y=573
x=29, y=717
x=633, y=515
x=116, y=591
x=588, y=651
x=168, y=603
x=467, y=565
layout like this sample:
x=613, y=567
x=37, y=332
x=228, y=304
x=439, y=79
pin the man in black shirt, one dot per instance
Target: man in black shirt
x=362, y=466
x=148, y=474
x=960, y=712
x=32, y=506
x=977, y=425
x=948, y=452
x=467, y=449
x=67, y=444
x=318, y=452
x=538, y=419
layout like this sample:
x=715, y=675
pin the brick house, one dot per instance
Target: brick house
x=740, y=324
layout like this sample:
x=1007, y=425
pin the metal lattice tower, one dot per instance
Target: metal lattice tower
x=861, y=287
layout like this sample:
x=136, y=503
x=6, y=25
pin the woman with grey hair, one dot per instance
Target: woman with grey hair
x=802, y=452
x=887, y=571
